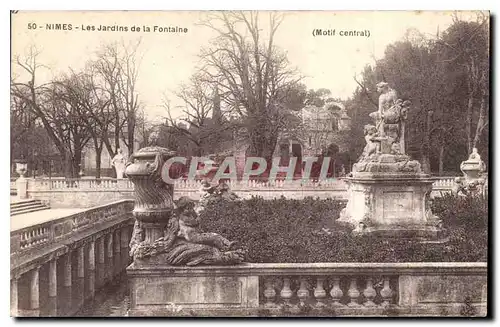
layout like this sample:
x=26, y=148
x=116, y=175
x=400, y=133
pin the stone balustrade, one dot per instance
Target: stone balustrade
x=331, y=289
x=83, y=193
x=57, y=266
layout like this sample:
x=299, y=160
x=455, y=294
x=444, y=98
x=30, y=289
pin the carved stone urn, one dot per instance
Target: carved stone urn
x=154, y=203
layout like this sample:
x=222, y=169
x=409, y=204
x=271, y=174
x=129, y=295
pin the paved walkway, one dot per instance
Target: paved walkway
x=37, y=217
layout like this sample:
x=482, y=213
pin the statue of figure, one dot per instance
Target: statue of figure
x=118, y=162
x=386, y=100
x=188, y=227
x=474, y=156
x=390, y=117
x=223, y=191
x=372, y=144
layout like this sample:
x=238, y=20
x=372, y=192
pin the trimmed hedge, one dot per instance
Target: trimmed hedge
x=285, y=230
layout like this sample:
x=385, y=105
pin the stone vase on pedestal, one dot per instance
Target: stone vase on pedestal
x=154, y=199
x=22, y=181
x=161, y=277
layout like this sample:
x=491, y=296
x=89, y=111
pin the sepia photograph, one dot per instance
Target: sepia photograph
x=266, y=164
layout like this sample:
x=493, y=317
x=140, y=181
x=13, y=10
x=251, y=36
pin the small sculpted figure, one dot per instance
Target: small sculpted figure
x=224, y=192
x=189, y=224
x=474, y=156
x=371, y=146
x=119, y=163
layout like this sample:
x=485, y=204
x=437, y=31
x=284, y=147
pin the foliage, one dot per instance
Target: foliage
x=285, y=230
x=446, y=79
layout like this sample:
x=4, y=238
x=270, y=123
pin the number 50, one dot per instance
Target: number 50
x=32, y=26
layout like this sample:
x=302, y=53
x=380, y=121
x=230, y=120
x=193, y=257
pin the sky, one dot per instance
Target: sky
x=169, y=59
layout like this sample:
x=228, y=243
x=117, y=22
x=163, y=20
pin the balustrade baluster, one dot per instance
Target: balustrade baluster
x=319, y=292
x=353, y=293
x=369, y=293
x=386, y=292
x=286, y=292
x=336, y=292
x=303, y=292
x=269, y=293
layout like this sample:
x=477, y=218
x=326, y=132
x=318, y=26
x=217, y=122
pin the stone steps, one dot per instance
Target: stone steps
x=27, y=206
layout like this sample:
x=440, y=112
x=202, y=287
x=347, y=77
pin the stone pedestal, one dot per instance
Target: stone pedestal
x=389, y=196
x=393, y=205
x=162, y=290
x=22, y=187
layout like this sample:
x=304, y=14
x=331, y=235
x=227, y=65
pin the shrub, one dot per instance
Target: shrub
x=286, y=230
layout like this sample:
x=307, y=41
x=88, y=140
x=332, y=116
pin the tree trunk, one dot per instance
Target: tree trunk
x=68, y=165
x=481, y=121
x=130, y=135
x=77, y=160
x=98, y=154
x=441, y=159
x=426, y=166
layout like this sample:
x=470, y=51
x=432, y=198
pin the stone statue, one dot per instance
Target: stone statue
x=390, y=117
x=209, y=193
x=189, y=223
x=474, y=156
x=165, y=232
x=385, y=144
x=118, y=162
x=372, y=144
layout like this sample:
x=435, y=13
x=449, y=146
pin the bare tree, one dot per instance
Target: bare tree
x=118, y=68
x=202, y=119
x=56, y=113
x=252, y=74
x=93, y=108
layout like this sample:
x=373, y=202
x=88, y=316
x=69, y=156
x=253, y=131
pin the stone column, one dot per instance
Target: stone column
x=100, y=262
x=67, y=283
x=52, y=287
x=14, y=297
x=80, y=274
x=109, y=257
x=53, y=278
x=91, y=270
x=117, y=252
x=35, y=290
x=124, y=242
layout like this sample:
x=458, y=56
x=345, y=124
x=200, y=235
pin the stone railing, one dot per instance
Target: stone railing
x=83, y=193
x=80, y=184
x=57, y=266
x=79, y=193
x=443, y=185
x=293, y=189
x=29, y=238
x=331, y=289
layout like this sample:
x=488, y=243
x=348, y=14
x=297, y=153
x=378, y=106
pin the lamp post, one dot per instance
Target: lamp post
x=21, y=182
